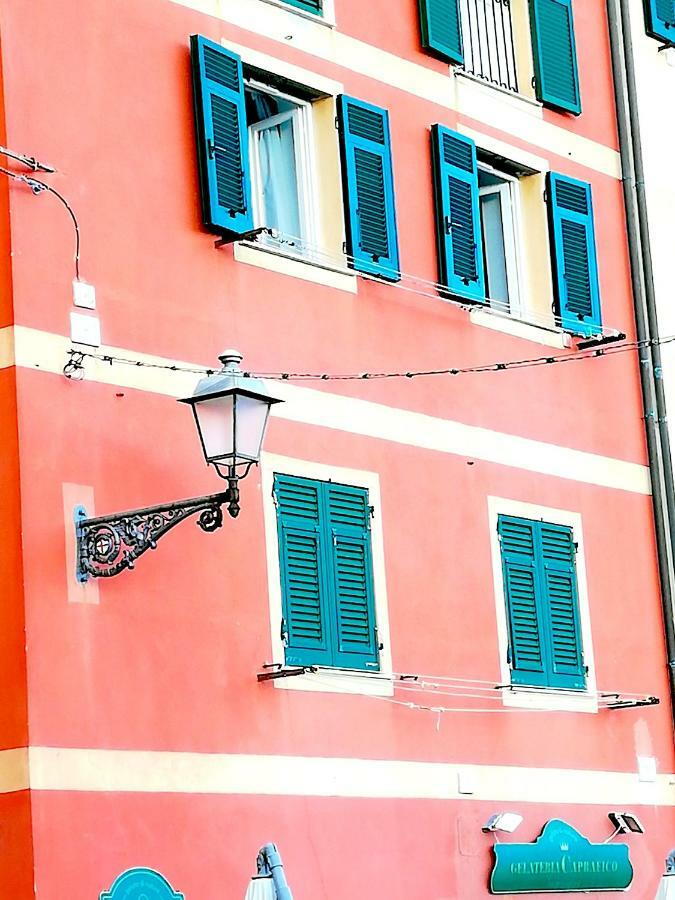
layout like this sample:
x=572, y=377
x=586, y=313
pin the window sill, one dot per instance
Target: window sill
x=340, y=681
x=538, y=334
x=535, y=107
x=534, y=698
x=326, y=20
x=286, y=263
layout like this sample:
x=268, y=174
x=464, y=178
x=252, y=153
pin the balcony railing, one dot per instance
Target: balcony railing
x=489, y=49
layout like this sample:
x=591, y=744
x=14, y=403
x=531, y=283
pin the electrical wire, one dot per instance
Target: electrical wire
x=594, y=353
x=37, y=187
x=306, y=251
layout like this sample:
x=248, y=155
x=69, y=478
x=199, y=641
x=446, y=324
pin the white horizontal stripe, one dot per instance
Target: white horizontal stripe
x=64, y=769
x=6, y=347
x=13, y=770
x=48, y=352
x=509, y=113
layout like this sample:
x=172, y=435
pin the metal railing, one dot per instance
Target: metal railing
x=489, y=49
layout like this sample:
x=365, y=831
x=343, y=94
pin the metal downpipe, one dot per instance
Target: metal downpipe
x=653, y=396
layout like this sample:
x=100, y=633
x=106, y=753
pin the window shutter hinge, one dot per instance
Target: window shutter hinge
x=337, y=123
x=344, y=247
x=275, y=499
x=284, y=632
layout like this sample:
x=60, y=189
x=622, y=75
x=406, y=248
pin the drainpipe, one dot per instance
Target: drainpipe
x=642, y=278
x=269, y=863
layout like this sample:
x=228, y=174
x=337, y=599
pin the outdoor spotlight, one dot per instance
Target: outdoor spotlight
x=625, y=823
x=506, y=821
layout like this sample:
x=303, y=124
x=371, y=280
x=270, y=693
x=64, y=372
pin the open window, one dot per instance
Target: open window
x=282, y=167
x=499, y=202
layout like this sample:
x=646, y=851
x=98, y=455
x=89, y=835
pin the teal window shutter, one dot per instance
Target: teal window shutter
x=660, y=19
x=222, y=139
x=523, y=602
x=304, y=586
x=326, y=566
x=556, y=73
x=356, y=645
x=458, y=236
x=368, y=186
x=540, y=585
x=313, y=6
x=575, y=264
x=441, y=27
x=558, y=554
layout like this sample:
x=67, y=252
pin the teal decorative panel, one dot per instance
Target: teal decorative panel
x=141, y=884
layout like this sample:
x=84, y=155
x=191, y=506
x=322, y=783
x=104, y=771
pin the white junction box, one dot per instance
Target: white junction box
x=85, y=329
x=84, y=295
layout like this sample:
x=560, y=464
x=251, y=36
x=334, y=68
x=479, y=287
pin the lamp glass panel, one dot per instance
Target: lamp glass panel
x=251, y=421
x=216, y=426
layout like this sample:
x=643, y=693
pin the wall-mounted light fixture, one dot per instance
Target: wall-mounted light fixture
x=231, y=412
x=625, y=823
x=506, y=821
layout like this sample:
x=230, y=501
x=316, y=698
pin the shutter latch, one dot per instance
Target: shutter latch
x=449, y=225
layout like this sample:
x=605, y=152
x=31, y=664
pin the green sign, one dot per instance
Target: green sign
x=560, y=860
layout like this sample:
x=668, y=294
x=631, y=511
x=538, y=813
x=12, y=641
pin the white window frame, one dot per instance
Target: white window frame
x=305, y=170
x=327, y=679
x=524, y=696
x=327, y=18
x=513, y=238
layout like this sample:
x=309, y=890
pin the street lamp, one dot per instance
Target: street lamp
x=666, y=889
x=231, y=412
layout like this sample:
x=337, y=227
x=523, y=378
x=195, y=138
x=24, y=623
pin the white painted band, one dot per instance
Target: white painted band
x=67, y=769
x=13, y=770
x=48, y=352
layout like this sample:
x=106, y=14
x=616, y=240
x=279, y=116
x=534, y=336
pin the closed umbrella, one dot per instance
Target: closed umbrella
x=261, y=888
x=270, y=882
x=666, y=889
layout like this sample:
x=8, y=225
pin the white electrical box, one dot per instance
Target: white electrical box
x=84, y=295
x=85, y=329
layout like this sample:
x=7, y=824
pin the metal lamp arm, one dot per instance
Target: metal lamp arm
x=106, y=545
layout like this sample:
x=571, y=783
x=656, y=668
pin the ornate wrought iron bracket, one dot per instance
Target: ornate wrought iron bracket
x=106, y=545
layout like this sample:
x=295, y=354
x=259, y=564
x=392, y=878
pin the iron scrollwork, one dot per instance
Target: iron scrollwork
x=106, y=545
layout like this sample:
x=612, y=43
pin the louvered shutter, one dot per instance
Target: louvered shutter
x=368, y=185
x=556, y=72
x=660, y=19
x=458, y=237
x=442, y=29
x=575, y=264
x=563, y=632
x=356, y=645
x=313, y=6
x=525, y=620
x=303, y=576
x=222, y=140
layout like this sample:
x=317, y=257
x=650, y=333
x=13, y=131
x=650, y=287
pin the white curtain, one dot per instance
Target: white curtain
x=278, y=177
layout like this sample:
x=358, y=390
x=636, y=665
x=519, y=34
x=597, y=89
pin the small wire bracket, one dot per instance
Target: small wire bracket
x=601, y=341
x=273, y=671
x=232, y=238
x=29, y=161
